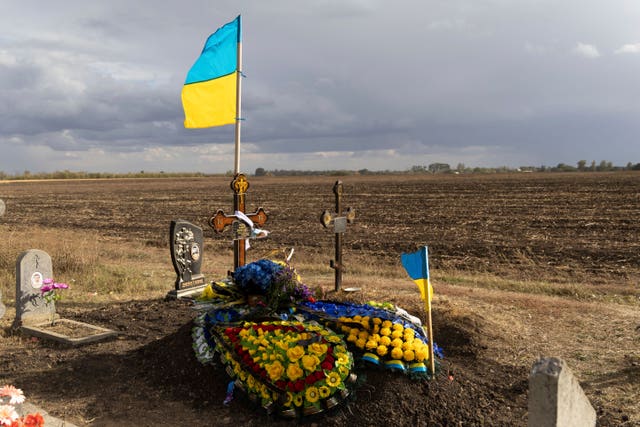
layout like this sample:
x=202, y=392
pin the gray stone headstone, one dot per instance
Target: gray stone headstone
x=186, y=242
x=556, y=398
x=2, y=207
x=32, y=267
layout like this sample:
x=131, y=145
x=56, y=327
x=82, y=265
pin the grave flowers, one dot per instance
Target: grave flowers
x=50, y=294
x=291, y=354
x=10, y=396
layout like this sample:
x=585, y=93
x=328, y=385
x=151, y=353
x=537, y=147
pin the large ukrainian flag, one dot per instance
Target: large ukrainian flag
x=209, y=95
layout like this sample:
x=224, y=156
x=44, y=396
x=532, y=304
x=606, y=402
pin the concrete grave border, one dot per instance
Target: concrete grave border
x=39, y=330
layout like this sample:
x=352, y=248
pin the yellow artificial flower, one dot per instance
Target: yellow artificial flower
x=360, y=343
x=385, y=331
x=312, y=394
x=385, y=341
x=334, y=339
x=344, y=371
x=309, y=362
x=409, y=355
x=342, y=359
x=298, y=399
x=251, y=382
x=381, y=350
x=407, y=345
x=340, y=349
x=398, y=327
x=352, y=338
x=396, y=334
x=386, y=324
x=295, y=353
x=346, y=329
x=375, y=337
x=294, y=372
x=376, y=320
x=371, y=344
x=396, y=353
x=421, y=354
x=289, y=400
x=357, y=318
x=318, y=348
x=324, y=391
x=275, y=370
x=333, y=379
x=376, y=329
x=363, y=335
x=397, y=342
x=408, y=332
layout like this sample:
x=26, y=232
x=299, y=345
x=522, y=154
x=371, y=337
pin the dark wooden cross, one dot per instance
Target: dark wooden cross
x=220, y=220
x=339, y=227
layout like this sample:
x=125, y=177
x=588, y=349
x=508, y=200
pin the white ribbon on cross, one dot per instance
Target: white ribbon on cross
x=256, y=233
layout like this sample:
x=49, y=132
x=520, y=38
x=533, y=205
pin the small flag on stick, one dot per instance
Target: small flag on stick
x=417, y=266
x=209, y=94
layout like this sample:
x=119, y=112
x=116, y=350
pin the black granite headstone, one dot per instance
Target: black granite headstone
x=186, y=242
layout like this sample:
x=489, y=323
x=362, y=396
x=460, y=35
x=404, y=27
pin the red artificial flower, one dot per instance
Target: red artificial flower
x=299, y=385
x=327, y=365
x=33, y=420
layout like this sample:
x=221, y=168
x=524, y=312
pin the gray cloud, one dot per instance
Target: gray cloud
x=411, y=82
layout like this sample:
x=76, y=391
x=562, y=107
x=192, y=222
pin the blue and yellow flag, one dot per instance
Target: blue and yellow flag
x=417, y=266
x=209, y=95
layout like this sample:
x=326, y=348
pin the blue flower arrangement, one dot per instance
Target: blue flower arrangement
x=256, y=277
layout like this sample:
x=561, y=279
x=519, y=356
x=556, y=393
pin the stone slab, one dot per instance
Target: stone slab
x=40, y=331
x=186, y=292
x=556, y=398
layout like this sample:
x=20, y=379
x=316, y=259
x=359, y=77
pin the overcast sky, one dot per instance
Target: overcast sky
x=330, y=84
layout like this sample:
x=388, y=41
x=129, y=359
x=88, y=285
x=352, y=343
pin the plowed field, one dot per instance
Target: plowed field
x=559, y=227
x=568, y=231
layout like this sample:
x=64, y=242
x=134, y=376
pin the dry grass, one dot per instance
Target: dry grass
x=99, y=269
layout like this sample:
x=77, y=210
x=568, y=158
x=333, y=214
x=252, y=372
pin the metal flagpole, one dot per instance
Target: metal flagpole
x=238, y=99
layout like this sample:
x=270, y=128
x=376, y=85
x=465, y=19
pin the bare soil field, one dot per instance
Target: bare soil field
x=523, y=266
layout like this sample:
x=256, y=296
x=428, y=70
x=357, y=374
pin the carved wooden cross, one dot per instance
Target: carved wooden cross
x=339, y=227
x=220, y=220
